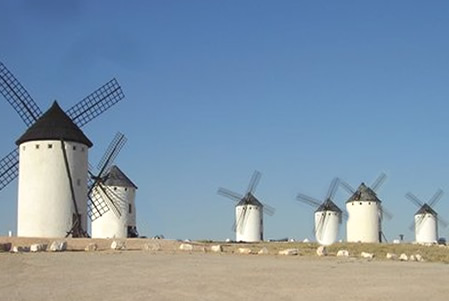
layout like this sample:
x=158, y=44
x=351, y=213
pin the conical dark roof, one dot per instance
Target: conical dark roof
x=249, y=199
x=328, y=205
x=116, y=177
x=54, y=125
x=364, y=194
x=426, y=209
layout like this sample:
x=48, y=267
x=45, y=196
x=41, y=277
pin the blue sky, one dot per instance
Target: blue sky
x=302, y=91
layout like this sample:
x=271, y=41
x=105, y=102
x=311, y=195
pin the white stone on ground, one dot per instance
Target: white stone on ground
x=419, y=258
x=20, y=249
x=38, y=247
x=263, y=251
x=403, y=257
x=391, y=256
x=289, y=252
x=343, y=253
x=216, y=248
x=58, y=246
x=186, y=247
x=152, y=247
x=367, y=255
x=91, y=247
x=118, y=245
x=245, y=251
x=321, y=251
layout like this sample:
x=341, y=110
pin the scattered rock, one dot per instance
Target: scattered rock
x=58, y=246
x=5, y=247
x=412, y=258
x=91, y=247
x=186, y=247
x=289, y=252
x=38, y=247
x=396, y=241
x=367, y=255
x=152, y=247
x=118, y=245
x=245, y=251
x=391, y=256
x=306, y=240
x=343, y=253
x=403, y=257
x=321, y=251
x=216, y=248
x=20, y=249
x=263, y=251
x=419, y=258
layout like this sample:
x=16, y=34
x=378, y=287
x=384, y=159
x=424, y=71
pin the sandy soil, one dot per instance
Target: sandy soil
x=170, y=275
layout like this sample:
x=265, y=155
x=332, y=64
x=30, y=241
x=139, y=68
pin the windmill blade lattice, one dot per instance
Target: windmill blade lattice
x=96, y=103
x=255, y=179
x=436, y=198
x=414, y=199
x=229, y=194
x=308, y=200
x=102, y=199
x=18, y=97
x=96, y=205
x=9, y=168
x=378, y=182
x=111, y=153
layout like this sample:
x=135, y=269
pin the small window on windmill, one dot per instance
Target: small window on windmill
x=126, y=188
x=82, y=149
x=50, y=145
x=23, y=147
x=74, y=147
x=369, y=203
x=360, y=203
x=78, y=182
x=37, y=146
x=129, y=208
x=115, y=188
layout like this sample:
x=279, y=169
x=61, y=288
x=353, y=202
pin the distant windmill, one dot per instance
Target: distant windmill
x=248, y=212
x=53, y=160
x=112, y=194
x=328, y=216
x=426, y=218
x=365, y=212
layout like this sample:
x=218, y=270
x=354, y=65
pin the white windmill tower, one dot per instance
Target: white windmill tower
x=426, y=218
x=248, y=212
x=112, y=194
x=365, y=213
x=328, y=216
x=52, y=193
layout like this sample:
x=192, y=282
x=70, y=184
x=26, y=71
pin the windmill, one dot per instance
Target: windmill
x=365, y=212
x=53, y=160
x=248, y=211
x=112, y=194
x=328, y=216
x=426, y=218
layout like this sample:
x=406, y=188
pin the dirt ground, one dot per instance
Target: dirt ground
x=170, y=275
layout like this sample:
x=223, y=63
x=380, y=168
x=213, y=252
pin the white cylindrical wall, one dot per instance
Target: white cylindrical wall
x=109, y=225
x=426, y=228
x=45, y=206
x=326, y=227
x=249, y=228
x=363, y=223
